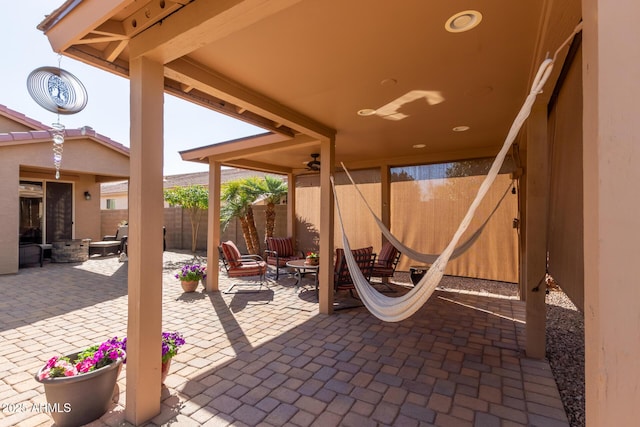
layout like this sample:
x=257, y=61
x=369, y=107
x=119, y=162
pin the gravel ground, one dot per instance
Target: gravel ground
x=565, y=351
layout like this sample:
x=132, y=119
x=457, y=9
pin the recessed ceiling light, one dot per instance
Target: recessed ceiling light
x=366, y=112
x=461, y=128
x=419, y=146
x=388, y=82
x=463, y=21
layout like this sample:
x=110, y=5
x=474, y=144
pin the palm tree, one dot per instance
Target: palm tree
x=273, y=190
x=237, y=199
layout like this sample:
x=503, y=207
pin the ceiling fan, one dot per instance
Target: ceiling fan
x=314, y=165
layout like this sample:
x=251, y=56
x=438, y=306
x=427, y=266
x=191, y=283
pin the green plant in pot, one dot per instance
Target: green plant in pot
x=312, y=258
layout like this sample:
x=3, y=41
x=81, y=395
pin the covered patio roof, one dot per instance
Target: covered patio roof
x=309, y=67
x=381, y=84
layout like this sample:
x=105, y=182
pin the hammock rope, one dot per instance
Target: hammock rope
x=395, y=309
x=412, y=253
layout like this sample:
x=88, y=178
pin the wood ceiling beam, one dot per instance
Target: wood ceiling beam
x=114, y=50
x=195, y=96
x=67, y=26
x=212, y=83
x=111, y=28
x=257, y=166
x=200, y=23
x=240, y=153
x=252, y=145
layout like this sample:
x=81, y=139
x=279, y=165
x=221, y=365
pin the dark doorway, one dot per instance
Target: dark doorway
x=31, y=214
x=59, y=211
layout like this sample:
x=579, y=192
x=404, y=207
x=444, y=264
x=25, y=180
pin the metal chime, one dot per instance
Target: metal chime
x=60, y=92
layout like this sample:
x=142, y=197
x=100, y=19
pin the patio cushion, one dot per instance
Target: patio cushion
x=280, y=261
x=248, y=268
x=231, y=253
x=382, y=271
x=386, y=256
x=343, y=275
x=282, y=245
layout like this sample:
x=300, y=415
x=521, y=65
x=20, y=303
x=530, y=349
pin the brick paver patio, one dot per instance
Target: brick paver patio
x=269, y=358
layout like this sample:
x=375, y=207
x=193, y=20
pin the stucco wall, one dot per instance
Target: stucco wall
x=82, y=160
x=121, y=200
x=85, y=224
x=611, y=66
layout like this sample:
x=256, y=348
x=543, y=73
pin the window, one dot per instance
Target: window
x=111, y=203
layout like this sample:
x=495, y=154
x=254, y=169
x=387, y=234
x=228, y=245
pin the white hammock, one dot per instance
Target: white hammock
x=413, y=254
x=395, y=309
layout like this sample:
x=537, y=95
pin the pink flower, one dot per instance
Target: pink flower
x=52, y=362
x=44, y=374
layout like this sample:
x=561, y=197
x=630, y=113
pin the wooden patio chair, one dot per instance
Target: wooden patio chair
x=280, y=250
x=238, y=265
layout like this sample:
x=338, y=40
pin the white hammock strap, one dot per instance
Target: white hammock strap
x=396, y=309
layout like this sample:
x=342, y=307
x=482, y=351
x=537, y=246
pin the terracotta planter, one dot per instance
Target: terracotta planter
x=189, y=286
x=165, y=370
x=78, y=400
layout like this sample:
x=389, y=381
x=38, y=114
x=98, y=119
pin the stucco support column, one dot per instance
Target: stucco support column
x=522, y=234
x=291, y=206
x=537, y=176
x=145, y=241
x=385, y=198
x=611, y=157
x=327, y=169
x=213, y=227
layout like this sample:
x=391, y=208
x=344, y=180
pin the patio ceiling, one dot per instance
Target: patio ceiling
x=302, y=69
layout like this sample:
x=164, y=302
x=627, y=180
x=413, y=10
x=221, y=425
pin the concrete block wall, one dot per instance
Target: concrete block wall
x=178, y=225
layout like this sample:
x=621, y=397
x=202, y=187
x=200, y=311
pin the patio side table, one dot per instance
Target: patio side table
x=302, y=269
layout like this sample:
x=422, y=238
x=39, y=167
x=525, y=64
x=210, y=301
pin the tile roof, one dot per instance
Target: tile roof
x=185, y=179
x=21, y=118
x=41, y=132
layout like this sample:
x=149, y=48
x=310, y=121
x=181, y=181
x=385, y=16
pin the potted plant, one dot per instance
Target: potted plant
x=190, y=275
x=313, y=258
x=79, y=386
x=171, y=342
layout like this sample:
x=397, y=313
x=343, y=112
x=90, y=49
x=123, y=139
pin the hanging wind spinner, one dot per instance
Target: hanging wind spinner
x=60, y=92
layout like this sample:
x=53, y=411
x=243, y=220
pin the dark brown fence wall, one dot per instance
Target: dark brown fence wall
x=178, y=226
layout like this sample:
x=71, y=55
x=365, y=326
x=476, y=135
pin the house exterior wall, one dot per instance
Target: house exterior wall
x=121, y=200
x=85, y=224
x=83, y=159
